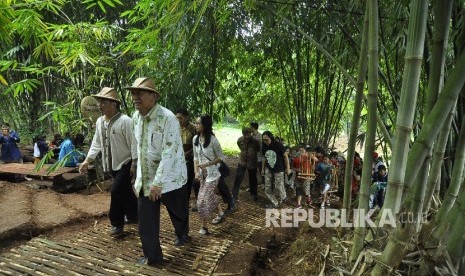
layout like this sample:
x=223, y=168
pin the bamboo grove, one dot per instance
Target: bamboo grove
x=392, y=72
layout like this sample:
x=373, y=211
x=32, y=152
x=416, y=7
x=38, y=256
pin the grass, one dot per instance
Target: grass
x=227, y=136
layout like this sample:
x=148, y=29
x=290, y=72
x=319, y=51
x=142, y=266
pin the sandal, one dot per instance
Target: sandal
x=218, y=219
x=203, y=231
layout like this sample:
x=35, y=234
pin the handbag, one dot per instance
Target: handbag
x=223, y=169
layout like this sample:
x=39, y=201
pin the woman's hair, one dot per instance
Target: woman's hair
x=269, y=134
x=207, y=123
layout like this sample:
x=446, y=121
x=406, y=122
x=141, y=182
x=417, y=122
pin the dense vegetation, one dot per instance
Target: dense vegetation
x=287, y=64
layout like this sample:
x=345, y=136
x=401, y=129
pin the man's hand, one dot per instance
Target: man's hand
x=133, y=171
x=155, y=193
x=84, y=166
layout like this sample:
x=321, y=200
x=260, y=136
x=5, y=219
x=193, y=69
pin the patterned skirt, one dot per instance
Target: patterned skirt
x=207, y=200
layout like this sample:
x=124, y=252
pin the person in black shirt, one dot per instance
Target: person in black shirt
x=276, y=163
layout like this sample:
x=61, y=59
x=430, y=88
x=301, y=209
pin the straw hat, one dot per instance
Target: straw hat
x=145, y=84
x=107, y=93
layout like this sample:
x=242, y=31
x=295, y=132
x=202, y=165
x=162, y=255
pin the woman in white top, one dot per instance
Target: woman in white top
x=207, y=158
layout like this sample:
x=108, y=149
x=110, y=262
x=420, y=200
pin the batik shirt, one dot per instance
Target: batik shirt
x=159, y=150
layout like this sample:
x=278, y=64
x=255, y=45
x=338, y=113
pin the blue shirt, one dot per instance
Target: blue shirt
x=10, y=150
x=323, y=172
x=67, y=147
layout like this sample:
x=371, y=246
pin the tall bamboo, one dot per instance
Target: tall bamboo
x=457, y=176
x=438, y=155
x=408, y=99
x=364, y=193
x=442, y=14
x=393, y=252
x=333, y=60
x=398, y=240
x=435, y=121
x=452, y=225
x=359, y=87
x=456, y=237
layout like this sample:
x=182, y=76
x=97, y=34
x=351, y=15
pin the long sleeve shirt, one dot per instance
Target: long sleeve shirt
x=249, y=148
x=10, y=150
x=116, y=142
x=159, y=149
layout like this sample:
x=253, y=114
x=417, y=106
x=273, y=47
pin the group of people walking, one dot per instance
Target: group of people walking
x=165, y=156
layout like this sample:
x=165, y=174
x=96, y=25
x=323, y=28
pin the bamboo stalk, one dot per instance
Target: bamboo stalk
x=397, y=245
x=362, y=69
x=364, y=193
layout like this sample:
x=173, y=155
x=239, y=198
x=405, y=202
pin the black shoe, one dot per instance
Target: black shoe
x=116, y=230
x=231, y=208
x=145, y=261
x=255, y=198
x=182, y=241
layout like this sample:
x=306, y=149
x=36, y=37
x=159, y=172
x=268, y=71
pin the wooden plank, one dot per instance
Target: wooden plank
x=29, y=169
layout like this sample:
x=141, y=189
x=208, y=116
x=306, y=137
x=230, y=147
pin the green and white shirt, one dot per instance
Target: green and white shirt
x=159, y=149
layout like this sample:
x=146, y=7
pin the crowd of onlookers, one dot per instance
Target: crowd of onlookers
x=67, y=148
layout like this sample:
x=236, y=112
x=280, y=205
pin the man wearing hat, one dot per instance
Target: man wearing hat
x=114, y=138
x=161, y=170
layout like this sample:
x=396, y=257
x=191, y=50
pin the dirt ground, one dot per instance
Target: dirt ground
x=30, y=212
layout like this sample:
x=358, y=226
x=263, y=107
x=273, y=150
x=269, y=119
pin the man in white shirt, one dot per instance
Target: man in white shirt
x=161, y=170
x=114, y=138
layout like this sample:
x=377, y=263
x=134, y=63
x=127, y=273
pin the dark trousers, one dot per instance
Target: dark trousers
x=191, y=182
x=123, y=201
x=260, y=171
x=225, y=193
x=240, y=176
x=149, y=220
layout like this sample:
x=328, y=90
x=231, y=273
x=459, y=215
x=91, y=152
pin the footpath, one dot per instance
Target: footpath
x=36, y=216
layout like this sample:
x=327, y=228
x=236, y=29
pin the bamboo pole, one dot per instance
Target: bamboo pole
x=442, y=14
x=364, y=193
x=457, y=176
x=362, y=69
x=408, y=100
x=396, y=246
x=435, y=121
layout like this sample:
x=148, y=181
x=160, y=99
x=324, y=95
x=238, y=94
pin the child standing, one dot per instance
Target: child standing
x=378, y=189
x=323, y=178
x=304, y=165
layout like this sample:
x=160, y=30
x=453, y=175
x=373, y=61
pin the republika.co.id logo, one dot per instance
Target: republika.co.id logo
x=336, y=218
